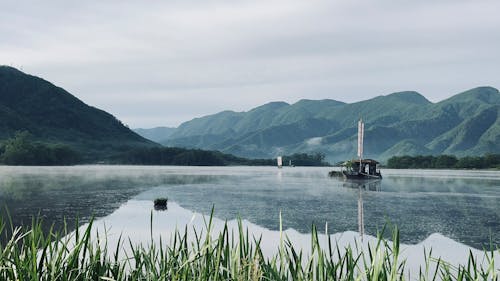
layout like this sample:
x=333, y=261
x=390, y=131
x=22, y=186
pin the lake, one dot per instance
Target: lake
x=447, y=210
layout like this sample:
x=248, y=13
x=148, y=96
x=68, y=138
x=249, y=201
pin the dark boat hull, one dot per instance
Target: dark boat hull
x=360, y=176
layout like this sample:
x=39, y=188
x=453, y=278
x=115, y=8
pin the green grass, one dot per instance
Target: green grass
x=31, y=254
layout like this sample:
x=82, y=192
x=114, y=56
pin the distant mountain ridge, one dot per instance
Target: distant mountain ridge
x=396, y=124
x=52, y=115
x=157, y=134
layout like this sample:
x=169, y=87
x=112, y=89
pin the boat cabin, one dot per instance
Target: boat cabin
x=361, y=168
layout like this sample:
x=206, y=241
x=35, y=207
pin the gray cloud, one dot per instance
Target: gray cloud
x=164, y=62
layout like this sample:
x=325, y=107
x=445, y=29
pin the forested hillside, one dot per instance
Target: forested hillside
x=51, y=115
x=403, y=123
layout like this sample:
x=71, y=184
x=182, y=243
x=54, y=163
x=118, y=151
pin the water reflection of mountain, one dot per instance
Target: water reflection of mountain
x=128, y=221
x=464, y=210
x=68, y=193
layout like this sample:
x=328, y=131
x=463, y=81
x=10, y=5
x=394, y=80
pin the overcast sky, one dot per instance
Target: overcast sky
x=159, y=63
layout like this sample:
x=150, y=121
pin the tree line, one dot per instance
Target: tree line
x=198, y=157
x=304, y=159
x=22, y=150
x=181, y=157
x=488, y=161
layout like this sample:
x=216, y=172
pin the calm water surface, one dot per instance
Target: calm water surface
x=461, y=205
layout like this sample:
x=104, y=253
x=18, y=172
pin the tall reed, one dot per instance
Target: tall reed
x=31, y=254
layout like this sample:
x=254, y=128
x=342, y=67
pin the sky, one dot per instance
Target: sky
x=160, y=63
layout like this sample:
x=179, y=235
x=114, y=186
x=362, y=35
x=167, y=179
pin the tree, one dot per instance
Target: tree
x=21, y=150
x=18, y=150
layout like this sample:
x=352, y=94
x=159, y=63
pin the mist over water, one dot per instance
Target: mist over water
x=461, y=205
x=464, y=207
x=66, y=193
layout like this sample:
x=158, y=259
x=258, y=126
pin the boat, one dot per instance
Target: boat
x=279, y=159
x=359, y=169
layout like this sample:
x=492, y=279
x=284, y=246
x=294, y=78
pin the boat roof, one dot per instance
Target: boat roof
x=365, y=161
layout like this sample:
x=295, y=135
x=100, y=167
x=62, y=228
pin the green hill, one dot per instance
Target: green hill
x=52, y=115
x=395, y=124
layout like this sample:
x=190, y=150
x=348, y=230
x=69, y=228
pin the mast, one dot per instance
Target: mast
x=361, y=131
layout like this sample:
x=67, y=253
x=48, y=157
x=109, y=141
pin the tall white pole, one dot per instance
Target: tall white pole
x=361, y=129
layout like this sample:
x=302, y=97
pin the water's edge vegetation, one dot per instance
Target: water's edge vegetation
x=23, y=150
x=488, y=161
x=31, y=254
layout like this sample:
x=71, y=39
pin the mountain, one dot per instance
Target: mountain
x=52, y=115
x=395, y=124
x=157, y=134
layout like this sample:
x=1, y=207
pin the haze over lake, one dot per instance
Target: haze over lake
x=460, y=205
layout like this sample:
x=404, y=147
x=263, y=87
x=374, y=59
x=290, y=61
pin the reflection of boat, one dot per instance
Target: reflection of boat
x=363, y=186
x=368, y=185
x=361, y=215
x=279, y=159
x=359, y=169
